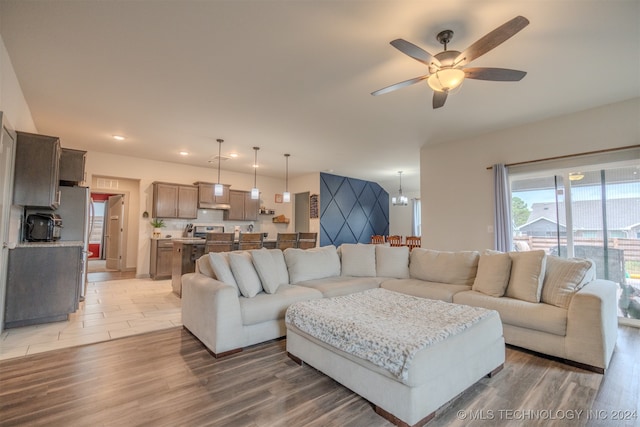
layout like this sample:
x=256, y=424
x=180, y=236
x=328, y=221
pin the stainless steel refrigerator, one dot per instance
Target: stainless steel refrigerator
x=75, y=211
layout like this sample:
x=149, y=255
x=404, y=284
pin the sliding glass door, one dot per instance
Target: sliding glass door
x=592, y=213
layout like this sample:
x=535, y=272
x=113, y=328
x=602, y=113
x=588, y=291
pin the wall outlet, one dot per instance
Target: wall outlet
x=489, y=228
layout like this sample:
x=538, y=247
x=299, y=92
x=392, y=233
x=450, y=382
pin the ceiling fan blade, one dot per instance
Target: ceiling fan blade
x=494, y=74
x=491, y=40
x=399, y=85
x=438, y=99
x=414, y=51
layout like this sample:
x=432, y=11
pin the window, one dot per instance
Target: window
x=591, y=212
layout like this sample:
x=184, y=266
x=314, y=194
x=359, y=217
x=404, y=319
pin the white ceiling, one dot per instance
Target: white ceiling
x=296, y=76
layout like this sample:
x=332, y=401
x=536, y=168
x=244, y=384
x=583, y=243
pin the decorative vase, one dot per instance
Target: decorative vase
x=157, y=232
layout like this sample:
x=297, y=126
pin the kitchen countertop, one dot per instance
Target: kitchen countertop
x=58, y=244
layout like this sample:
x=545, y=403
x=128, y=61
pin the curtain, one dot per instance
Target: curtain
x=416, y=218
x=502, y=209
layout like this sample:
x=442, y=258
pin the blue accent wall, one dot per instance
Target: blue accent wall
x=351, y=210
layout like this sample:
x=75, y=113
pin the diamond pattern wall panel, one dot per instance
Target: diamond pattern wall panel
x=351, y=210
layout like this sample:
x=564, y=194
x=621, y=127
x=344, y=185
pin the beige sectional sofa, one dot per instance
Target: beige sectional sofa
x=549, y=305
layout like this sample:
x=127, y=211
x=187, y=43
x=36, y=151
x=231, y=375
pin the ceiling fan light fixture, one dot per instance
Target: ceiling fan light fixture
x=446, y=79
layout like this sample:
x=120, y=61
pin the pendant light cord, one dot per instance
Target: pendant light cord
x=219, y=155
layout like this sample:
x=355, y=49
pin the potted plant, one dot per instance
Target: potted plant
x=157, y=225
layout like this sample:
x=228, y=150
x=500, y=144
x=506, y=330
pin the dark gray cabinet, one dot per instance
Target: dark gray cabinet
x=174, y=201
x=72, y=166
x=36, y=176
x=242, y=206
x=160, y=261
x=206, y=199
x=42, y=284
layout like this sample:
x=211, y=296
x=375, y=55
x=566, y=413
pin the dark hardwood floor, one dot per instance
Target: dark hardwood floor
x=168, y=378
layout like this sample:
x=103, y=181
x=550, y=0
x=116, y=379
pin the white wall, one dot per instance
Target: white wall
x=12, y=101
x=457, y=189
x=401, y=217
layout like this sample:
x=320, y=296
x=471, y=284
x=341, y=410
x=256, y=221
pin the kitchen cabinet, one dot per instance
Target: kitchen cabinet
x=242, y=207
x=36, y=177
x=160, y=261
x=42, y=283
x=183, y=261
x=174, y=201
x=72, y=166
x=206, y=199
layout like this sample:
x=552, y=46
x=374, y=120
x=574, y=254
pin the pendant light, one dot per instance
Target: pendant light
x=400, y=200
x=286, y=196
x=255, y=193
x=218, y=189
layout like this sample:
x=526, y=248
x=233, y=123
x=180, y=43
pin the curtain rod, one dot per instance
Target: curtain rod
x=608, y=150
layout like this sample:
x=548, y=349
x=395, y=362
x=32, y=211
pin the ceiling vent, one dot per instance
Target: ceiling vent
x=107, y=183
x=215, y=158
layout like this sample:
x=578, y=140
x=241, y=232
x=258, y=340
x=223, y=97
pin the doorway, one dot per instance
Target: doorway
x=301, y=212
x=107, y=237
x=7, y=146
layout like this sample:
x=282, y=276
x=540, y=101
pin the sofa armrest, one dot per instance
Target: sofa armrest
x=592, y=324
x=211, y=312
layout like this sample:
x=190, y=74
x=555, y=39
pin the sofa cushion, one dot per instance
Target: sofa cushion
x=219, y=264
x=527, y=275
x=358, y=260
x=342, y=285
x=456, y=268
x=563, y=277
x=420, y=288
x=494, y=270
x=309, y=264
x=245, y=274
x=271, y=268
x=265, y=307
x=392, y=261
x=540, y=317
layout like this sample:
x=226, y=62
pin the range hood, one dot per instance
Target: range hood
x=218, y=206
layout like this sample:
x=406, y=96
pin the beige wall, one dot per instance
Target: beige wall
x=457, y=189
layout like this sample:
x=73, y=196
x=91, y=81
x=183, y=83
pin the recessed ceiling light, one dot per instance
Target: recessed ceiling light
x=234, y=155
x=184, y=153
x=118, y=137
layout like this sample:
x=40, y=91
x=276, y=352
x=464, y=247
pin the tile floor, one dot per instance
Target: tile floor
x=111, y=309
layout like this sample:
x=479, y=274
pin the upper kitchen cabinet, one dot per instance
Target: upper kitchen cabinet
x=175, y=201
x=206, y=198
x=72, y=166
x=242, y=206
x=36, y=176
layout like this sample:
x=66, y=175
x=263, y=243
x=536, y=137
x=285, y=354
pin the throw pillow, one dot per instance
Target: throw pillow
x=310, y=264
x=219, y=262
x=392, y=261
x=563, y=278
x=494, y=270
x=527, y=275
x=456, y=268
x=271, y=268
x=245, y=274
x=358, y=260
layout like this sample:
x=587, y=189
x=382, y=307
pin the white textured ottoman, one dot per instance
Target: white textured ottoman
x=406, y=355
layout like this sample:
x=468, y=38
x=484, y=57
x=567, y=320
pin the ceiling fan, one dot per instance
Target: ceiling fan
x=446, y=69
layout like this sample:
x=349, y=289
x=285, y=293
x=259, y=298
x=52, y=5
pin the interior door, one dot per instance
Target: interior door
x=7, y=147
x=114, y=230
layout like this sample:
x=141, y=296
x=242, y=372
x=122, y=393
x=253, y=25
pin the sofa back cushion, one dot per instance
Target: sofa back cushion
x=564, y=277
x=456, y=268
x=527, y=275
x=310, y=264
x=358, y=260
x=271, y=268
x=245, y=274
x=494, y=270
x=220, y=268
x=392, y=261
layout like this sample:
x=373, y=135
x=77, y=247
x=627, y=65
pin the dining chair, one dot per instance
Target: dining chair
x=307, y=240
x=287, y=240
x=394, y=240
x=218, y=242
x=250, y=241
x=413, y=242
x=377, y=239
